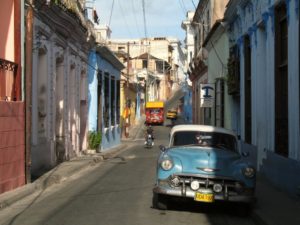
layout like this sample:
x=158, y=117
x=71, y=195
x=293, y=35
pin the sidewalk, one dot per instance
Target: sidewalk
x=66, y=170
x=275, y=207
x=58, y=174
x=134, y=129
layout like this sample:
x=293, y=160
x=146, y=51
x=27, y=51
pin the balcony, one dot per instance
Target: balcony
x=8, y=86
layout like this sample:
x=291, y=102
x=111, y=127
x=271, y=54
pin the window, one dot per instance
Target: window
x=8, y=86
x=118, y=102
x=233, y=74
x=145, y=64
x=219, y=111
x=112, y=100
x=281, y=81
x=99, y=122
x=205, y=139
x=106, y=100
x=247, y=86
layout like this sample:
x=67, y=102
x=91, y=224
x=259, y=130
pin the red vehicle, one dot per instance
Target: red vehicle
x=154, y=112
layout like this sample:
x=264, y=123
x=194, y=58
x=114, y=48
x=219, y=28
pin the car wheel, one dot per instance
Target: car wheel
x=159, y=201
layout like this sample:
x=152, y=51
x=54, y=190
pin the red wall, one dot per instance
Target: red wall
x=12, y=145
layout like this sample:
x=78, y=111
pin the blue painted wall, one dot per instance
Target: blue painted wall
x=111, y=135
x=284, y=172
x=92, y=91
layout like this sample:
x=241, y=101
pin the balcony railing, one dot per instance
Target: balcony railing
x=8, y=72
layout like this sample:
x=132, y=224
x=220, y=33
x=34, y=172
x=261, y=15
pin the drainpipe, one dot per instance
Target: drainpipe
x=28, y=88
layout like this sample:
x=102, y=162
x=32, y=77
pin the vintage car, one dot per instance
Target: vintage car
x=203, y=163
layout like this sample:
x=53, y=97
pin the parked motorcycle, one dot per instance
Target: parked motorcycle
x=149, y=143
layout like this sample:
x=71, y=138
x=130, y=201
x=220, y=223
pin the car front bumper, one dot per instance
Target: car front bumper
x=187, y=192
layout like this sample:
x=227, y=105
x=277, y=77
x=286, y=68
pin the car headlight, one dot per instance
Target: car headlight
x=217, y=188
x=249, y=172
x=195, y=185
x=167, y=164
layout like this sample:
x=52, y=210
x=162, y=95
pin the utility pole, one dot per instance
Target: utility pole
x=147, y=70
x=127, y=80
x=127, y=112
x=28, y=85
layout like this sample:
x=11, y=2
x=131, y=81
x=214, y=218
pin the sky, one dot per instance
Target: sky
x=163, y=17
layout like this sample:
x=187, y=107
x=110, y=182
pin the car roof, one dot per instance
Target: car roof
x=203, y=128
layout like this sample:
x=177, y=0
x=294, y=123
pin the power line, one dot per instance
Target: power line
x=218, y=56
x=111, y=11
x=194, y=3
x=133, y=8
x=144, y=14
x=182, y=7
x=123, y=14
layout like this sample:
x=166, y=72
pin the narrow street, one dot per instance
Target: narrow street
x=80, y=78
x=116, y=191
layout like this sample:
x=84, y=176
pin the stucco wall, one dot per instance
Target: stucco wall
x=111, y=135
x=12, y=145
x=218, y=48
x=257, y=20
x=7, y=45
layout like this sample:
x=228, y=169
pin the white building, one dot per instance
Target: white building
x=59, y=86
x=189, y=39
x=264, y=39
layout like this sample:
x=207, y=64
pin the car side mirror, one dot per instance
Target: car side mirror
x=239, y=137
x=162, y=148
x=245, y=154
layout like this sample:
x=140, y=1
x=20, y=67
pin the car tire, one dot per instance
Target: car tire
x=159, y=201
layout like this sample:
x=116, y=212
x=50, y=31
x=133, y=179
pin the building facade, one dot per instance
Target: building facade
x=264, y=42
x=221, y=110
x=104, y=81
x=13, y=155
x=59, y=84
x=206, y=14
x=150, y=69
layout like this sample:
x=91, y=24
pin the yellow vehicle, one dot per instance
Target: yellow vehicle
x=172, y=114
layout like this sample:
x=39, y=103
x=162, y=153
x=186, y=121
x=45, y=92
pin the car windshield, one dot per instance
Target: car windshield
x=155, y=111
x=205, y=139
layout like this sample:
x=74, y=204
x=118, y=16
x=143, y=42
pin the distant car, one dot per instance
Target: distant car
x=203, y=163
x=172, y=114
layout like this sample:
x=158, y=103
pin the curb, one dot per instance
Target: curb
x=50, y=178
x=54, y=176
x=7, y=199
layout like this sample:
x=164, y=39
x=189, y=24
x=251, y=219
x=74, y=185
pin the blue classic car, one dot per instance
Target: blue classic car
x=203, y=163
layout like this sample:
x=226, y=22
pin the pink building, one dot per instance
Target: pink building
x=12, y=107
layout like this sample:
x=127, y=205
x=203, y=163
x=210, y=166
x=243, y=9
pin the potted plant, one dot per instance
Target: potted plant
x=94, y=141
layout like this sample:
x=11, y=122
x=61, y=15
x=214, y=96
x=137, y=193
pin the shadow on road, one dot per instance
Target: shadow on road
x=217, y=208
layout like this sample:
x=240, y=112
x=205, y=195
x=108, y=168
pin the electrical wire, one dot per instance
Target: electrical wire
x=111, y=11
x=194, y=3
x=218, y=56
x=144, y=15
x=125, y=21
x=135, y=19
x=182, y=7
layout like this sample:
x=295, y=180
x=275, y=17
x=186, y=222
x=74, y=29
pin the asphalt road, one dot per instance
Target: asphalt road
x=116, y=192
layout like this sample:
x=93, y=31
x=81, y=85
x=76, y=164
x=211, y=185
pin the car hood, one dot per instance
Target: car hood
x=205, y=161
